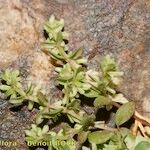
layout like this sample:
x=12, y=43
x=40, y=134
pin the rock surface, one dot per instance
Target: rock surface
x=120, y=28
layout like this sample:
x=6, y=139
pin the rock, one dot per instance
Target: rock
x=120, y=28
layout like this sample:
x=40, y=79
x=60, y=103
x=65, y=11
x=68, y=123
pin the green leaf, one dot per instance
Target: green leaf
x=144, y=145
x=77, y=54
x=124, y=132
x=45, y=129
x=39, y=119
x=38, y=134
x=73, y=117
x=4, y=87
x=93, y=146
x=85, y=148
x=108, y=64
x=12, y=85
x=56, y=111
x=101, y=101
x=91, y=93
x=81, y=61
x=59, y=37
x=130, y=141
x=119, y=98
x=139, y=139
x=74, y=104
x=88, y=120
x=17, y=100
x=42, y=99
x=124, y=113
x=55, y=56
x=100, y=137
x=13, y=101
x=30, y=105
x=53, y=26
x=10, y=92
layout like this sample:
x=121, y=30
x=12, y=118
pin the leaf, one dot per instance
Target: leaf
x=74, y=104
x=100, y=137
x=55, y=56
x=77, y=54
x=9, y=92
x=101, y=101
x=136, y=142
x=144, y=145
x=107, y=64
x=42, y=99
x=124, y=132
x=82, y=61
x=45, y=129
x=115, y=76
x=70, y=118
x=73, y=117
x=130, y=141
x=30, y=105
x=91, y=93
x=59, y=37
x=88, y=120
x=85, y=148
x=4, y=87
x=139, y=139
x=14, y=76
x=94, y=146
x=124, y=113
x=119, y=98
x=82, y=136
x=39, y=119
x=53, y=26
x=117, y=141
x=17, y=100
x=56, y=111
x=50, y=147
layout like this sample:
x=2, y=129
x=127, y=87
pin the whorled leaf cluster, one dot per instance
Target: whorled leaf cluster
x=82, y=130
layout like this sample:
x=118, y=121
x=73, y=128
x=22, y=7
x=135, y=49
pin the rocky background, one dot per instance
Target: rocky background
x=120, y=28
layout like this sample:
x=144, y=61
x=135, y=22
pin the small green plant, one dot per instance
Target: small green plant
x=83, y=130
